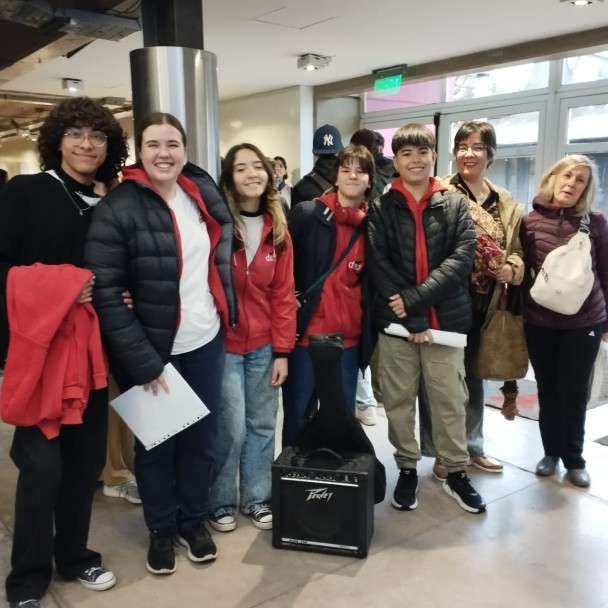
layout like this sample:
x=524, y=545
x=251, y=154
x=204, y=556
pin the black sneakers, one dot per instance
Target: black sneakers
x=459, y=487
x=161, y=554
x=197, y=539
x=97, y=578
x=404, y=497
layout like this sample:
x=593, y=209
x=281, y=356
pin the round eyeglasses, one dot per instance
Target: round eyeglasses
x=475, y=148
x=77, y=136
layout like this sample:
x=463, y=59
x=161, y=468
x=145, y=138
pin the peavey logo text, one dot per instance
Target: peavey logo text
x=319, y=494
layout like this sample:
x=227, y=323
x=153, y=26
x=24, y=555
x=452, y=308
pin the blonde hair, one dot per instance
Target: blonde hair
x=270, y=201
x=587, y=198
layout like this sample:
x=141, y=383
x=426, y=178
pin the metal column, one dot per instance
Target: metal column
x=172, y=73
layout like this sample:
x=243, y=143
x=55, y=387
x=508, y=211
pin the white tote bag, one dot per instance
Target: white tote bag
x=566, y=277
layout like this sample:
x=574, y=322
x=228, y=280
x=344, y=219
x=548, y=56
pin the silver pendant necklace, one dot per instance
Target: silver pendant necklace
x=81, y=211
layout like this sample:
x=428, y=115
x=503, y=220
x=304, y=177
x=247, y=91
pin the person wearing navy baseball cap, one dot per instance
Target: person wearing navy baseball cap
x=326, y=144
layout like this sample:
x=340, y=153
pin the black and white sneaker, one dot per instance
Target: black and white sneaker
x=404, y=496
x=197, y=539
x=97, y=578
x=161, y=554
x=25, y=604
x=459, y=487
x=261, y=518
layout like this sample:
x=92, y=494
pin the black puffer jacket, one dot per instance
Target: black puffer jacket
x=132, y=244
x=391, y=260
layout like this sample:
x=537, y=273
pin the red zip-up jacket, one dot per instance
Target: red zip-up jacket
x=55, y=356
x=266, y=298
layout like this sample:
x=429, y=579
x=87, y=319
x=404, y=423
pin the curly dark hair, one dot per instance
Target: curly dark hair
x=82, y=112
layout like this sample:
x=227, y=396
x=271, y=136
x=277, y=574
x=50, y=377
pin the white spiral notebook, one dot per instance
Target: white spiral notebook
x=153, y=419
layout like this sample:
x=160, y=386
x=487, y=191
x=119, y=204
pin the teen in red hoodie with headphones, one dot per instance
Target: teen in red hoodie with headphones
x=322, y=230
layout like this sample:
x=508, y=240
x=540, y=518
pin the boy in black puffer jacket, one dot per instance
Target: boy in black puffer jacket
x=421, y=246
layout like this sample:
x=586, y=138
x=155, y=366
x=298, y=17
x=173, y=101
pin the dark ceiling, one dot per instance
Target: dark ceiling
x=37, y=31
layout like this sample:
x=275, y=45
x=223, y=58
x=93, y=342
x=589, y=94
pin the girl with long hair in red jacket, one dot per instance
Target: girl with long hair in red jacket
x=257, y=348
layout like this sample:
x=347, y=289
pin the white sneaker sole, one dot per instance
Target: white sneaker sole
x=113, y=493
x=193, y=558
x=99, y=586
x=161, y=571
x=223, y=527
x=459, y=500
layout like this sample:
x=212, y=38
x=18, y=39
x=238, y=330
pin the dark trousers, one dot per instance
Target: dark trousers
x=174, y=477
x=57, y=479
x=562, y=362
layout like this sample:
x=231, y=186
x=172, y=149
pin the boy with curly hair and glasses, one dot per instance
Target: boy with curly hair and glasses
x=43, y=221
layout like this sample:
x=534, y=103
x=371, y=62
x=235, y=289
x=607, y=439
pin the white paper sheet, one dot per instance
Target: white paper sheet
x=153, y=419
x=445, y=338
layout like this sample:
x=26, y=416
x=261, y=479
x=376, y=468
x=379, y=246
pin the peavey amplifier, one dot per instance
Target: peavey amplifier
x=323, y=502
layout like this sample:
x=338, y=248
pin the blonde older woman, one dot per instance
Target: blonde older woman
x=562, y=347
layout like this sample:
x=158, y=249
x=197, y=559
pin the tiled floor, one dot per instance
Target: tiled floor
x=542, y=543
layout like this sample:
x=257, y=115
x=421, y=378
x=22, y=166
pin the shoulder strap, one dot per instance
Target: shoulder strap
x=585, y=223
x=344, y=253
x=320, y=180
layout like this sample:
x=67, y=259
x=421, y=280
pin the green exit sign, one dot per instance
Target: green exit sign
x=387, y=86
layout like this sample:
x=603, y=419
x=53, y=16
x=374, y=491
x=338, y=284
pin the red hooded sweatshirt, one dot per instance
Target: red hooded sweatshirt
x=55, y=355
x=422, y=261
x=339, y=308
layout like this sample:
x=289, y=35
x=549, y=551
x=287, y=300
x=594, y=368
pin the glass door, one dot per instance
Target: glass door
x=584, y=130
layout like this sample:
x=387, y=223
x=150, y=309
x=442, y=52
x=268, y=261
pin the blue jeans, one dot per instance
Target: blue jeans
x=174, y=477
x=246, y=428
x=299, y=388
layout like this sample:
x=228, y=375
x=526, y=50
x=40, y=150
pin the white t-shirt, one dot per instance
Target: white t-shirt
x=254, y=225
x=199, y=319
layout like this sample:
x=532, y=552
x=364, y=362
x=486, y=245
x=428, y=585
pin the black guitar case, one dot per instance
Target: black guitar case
x=334, y=426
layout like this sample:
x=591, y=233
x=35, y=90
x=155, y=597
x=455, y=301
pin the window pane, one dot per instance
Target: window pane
x=588, y=124
x=410, y=95
x=587, y=68
x=511, y=130
x=513, y=79
x=517, y=175
x=514, y=166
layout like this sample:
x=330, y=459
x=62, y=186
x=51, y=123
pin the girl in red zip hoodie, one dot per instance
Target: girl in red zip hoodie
x=257, y=349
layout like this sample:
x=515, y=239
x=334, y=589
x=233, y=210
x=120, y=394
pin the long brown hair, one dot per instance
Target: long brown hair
x=270, y=201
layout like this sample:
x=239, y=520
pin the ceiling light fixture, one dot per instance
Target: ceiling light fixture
x=73, y=85
x=581, y=2
x=311, y=62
